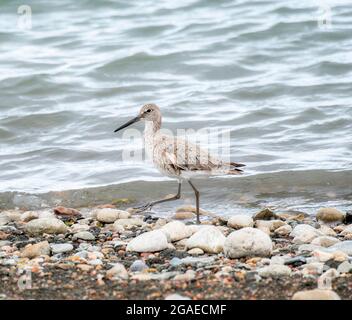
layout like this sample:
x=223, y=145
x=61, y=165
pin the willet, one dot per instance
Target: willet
x=177, y=158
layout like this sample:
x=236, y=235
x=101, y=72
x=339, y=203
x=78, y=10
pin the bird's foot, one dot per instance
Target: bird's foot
x=144, y=207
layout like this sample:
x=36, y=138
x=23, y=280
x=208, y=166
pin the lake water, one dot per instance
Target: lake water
x=270, y=73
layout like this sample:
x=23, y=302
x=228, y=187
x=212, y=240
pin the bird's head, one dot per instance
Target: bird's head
x=149, y=112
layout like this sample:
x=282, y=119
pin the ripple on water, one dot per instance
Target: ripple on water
x=262, y=71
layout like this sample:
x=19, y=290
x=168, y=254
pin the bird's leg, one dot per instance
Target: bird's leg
x=196, y=192
x=151, y=204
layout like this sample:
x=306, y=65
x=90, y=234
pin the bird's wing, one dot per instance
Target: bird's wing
x=175, y=154
x=186, y=156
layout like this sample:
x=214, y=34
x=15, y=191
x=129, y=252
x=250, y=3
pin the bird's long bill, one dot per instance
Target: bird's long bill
x=132, y=121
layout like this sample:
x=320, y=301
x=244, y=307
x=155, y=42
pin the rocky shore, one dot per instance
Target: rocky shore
x=109, y=253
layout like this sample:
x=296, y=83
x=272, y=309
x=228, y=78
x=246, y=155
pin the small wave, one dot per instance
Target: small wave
x=314, y=187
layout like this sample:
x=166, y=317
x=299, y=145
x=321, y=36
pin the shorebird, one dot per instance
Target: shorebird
x=176, y=157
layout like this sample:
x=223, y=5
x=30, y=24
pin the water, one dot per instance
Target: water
x=265, y=71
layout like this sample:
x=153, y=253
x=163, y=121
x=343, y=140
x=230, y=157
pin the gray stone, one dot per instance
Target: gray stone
x=304, y=233
x=195, y=252
x=175, y=262
x=176, y=230
x=45, y=225
x=61, y=248
x=208, y=238
x=95, y=262
x=274, y=270
x=108, y=215
x=247, y=242
x=199, y=261
x=240, y=221
x=138, y=266
x=152, y=241
x=344, y=267
x=4, y=219
x=344, y=246
x=117, y=272
x=35, y=250
x=83, y=235
x=325, y=241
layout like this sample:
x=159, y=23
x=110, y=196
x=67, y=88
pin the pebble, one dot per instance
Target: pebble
x=142, y=277
x=325, y=241
x=176, y=230
x=329, y=215
x=4, y=220
x=29, y=215
x=296, y=261
x=108, y=215
x=346, y=231
x=34, y=250
x=117, y=272
x=82, y=254
x=265, y=214
x=75, y=228
x=9, y=262
x=187, y=276
x=322, y=256
x=194, y=210
x=344, y=246
x=327, y=231
x=316, y=294
x=66, y=211
x=344, y=267
x=308, y=248
x=274, y=270
x=208, y=238
x=45, y=225
x=195, y=252
x=304, y=233
x=184, y=215
x=83, y=235
x=176, y=296
x=284, y=230
x=175, y=262
x=85, y=267
x=313, y=268
x=269, y=226
x=12, y=215
x=151, y=241
x=277, y=260
x=138, y=266
x=248, y=242
x=4, y=243
x=348, y=217
x=199, y=261
x=128, y=223
x=95, y=262
x=118, y=228
x=240, y=221
x=61, y=248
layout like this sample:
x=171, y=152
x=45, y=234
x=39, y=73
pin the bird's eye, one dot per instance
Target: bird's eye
x=149, y=110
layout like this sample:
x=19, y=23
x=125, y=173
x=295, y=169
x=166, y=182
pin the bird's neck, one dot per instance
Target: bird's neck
x=152, y=127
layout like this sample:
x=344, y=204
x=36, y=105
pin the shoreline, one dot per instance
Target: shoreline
x=108, y=253
x=315, y=186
